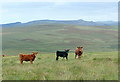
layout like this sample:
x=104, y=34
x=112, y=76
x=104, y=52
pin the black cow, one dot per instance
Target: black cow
x=62, y=54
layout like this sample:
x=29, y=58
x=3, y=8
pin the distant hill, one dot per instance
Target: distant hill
x=71, y=22
x=53, y=35
x=108, y=22
x=12, y=24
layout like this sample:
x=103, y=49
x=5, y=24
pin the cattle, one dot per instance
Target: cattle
x=78, y=52
x=62, y=54
x=4, y=55
x=28, y=57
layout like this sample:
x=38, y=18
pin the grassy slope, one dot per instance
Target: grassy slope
x=47, y=39
x=92, y=66
x=52, y=37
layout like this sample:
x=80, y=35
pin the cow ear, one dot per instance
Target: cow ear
x=36, y=53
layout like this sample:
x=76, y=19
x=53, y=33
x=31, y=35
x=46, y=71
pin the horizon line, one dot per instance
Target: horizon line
x=62, y=20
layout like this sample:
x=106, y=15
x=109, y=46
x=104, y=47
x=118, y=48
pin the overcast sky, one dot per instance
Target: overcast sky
x=29, y=11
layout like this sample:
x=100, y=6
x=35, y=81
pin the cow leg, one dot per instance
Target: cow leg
x=79, y=55
x=75, y=56
x=57, y=58
x=21, y=61
x=31, y=61
x=66, y=58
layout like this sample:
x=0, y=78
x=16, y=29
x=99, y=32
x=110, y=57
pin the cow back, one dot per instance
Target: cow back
x=27, y=57
x=61, y=53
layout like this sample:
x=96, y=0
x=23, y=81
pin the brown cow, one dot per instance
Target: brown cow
x=78, y=52
x=30, y=57
x=4, y=55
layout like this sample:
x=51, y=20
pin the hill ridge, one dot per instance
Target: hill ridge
x=71, y=22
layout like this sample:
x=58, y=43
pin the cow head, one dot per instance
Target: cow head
x=79, y=47
x=35, y=53
x=67, y=50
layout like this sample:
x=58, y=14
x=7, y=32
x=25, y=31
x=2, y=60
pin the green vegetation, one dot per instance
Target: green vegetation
x=52, y=37
x=99, y=61
x=92, y=66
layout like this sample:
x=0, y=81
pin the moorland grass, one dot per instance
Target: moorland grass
x=92, y=66
x=52, y=37
x=99, y=61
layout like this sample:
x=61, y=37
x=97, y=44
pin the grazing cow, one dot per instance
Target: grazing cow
x=78, y=52
x=62, y=54
x=30, y=57
x=4, y=55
